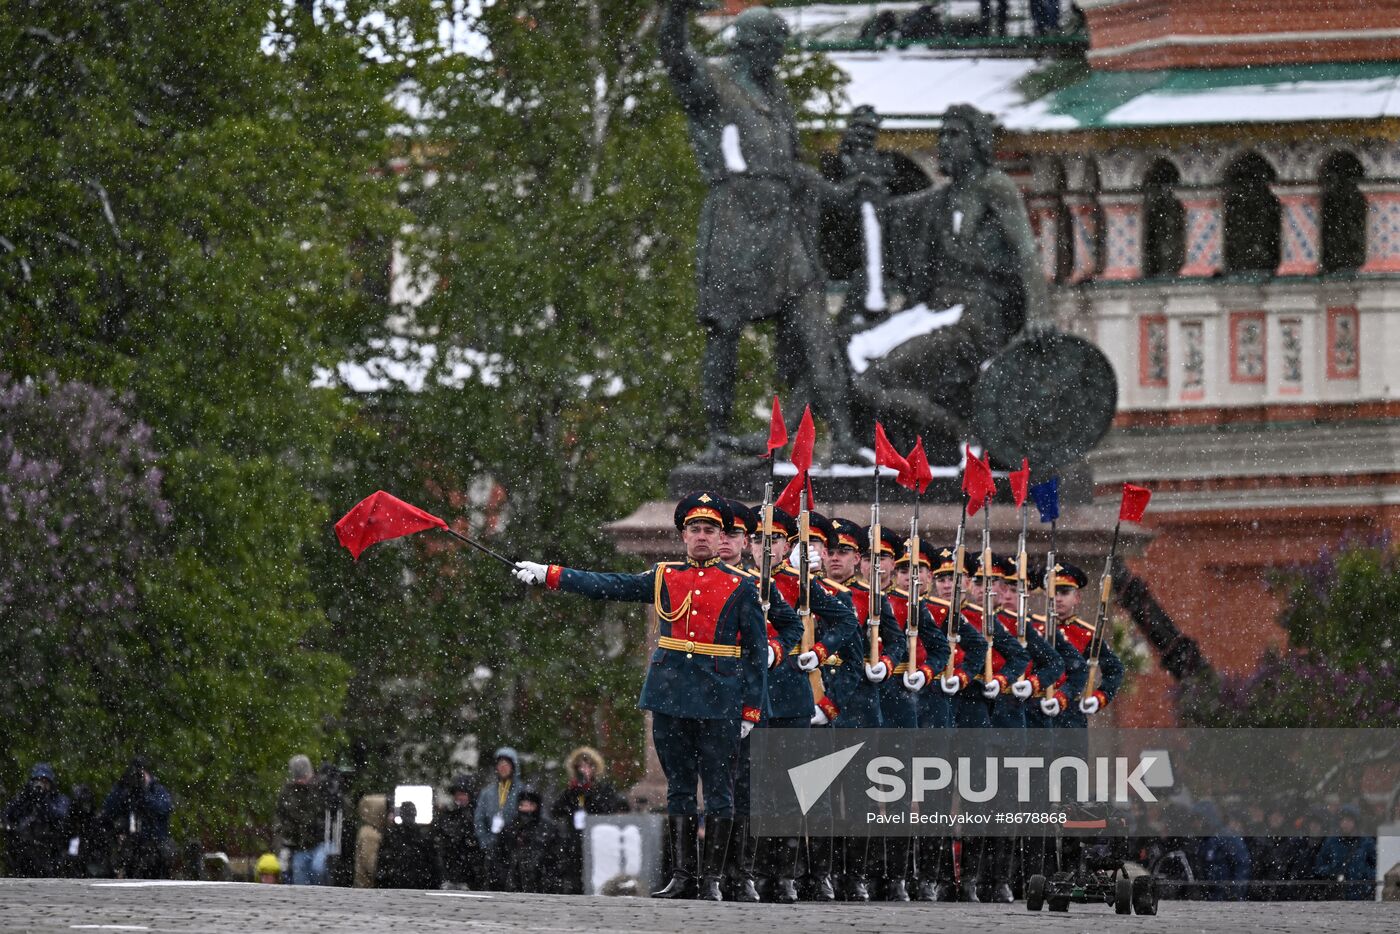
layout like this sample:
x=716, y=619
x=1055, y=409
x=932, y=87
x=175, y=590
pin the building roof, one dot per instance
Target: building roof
x=912, y=87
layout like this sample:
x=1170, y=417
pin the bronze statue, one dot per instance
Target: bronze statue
x=756, y=250
x=967, y=243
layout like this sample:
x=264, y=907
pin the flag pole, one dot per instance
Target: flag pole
x=480, y=547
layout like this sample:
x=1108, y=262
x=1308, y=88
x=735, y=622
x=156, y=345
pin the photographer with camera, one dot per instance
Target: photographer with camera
x=36, y=824
x=301, y=824
x=137, y=810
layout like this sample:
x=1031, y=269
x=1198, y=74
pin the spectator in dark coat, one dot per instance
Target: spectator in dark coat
x=1224, y=856
x=589, y=792
x=137, y=811
x=1349, y=860
x=301, y=823
x=529, y=849
x=495, y=805
x=408, y=856
x=36, y=826
x=456, y=835
x=85, y=826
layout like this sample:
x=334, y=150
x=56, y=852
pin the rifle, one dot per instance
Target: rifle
x=989, y=621
x=765, y=574
x=872, y=622
x=955, y=605
x=911, y=628
x=1022, y=594
x=1052, y=621
x=804, y=590
x=1101, y=615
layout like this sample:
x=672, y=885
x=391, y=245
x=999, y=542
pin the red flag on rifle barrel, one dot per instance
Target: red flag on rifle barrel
x=977, y=483
x=886, y=455
x=789, y=500
x=918, y=476
x=777, y=429
x=802, y=444
x=1020, y=482
x=1134, y=503
x=380, y=517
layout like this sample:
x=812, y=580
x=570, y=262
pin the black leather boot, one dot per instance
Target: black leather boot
x=745, y=856
x=896, y=869
x=717, y=833
x=858, y=869
x=682, y=884
x=820, y=856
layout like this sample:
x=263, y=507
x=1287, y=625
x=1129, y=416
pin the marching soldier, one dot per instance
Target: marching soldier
x=705, y=684
x=1069, y=581
x=837, y=636
x=897, y=699
x=1009, y=709
x=793, y=707
x=902, y=699
x=1069, y=685
x=1045, y=667
x=934, y=707
x=851, y=683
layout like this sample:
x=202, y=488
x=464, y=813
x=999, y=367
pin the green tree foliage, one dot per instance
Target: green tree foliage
x=1338, y=669
x=556, y=203
x=185, y=200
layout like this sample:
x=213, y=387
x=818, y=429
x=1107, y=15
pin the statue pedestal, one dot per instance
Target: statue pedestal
x=1082, y=537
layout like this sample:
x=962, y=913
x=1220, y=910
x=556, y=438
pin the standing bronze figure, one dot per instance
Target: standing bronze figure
x=756, y=250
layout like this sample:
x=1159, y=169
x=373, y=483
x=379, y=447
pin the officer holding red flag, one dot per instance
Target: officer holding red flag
x=705, y=685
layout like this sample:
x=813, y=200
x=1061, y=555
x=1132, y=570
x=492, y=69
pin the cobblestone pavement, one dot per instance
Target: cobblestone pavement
x=232, y=908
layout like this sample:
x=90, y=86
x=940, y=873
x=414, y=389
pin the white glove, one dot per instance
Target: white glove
x=1023, y=689
x=284, y=856
x=876, y=672
x=808, y=661
x=528, y=572
x=950, y=685
x=814, y=562
x=1050, y=706
x=990, y=689
x=772, y=656
x=915, y=680
x=1089, y=704
x=745, y=728
x=819, y=717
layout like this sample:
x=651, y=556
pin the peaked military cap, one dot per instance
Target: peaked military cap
x=1067, y=575
x=704, y=505
x=890, y=542
x=850, y=535
x=783, y=522
x=744, y=518
x=821, y=528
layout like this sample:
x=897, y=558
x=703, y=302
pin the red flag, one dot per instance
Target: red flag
x=1020, y=482
x=977, y=483
x=1134, y=503
x=789, y=500
x=777, y=429
x=918, y=476
x=802, y=444
x=380, y=517
x=886, y=455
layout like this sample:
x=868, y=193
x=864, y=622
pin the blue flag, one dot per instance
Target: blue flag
x=1047, y=499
